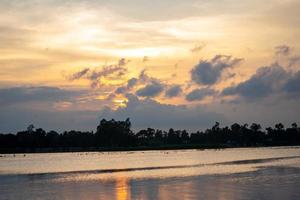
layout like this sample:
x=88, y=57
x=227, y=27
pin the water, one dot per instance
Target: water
x=246, y=173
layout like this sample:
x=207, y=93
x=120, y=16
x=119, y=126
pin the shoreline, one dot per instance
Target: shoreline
x=123, y=149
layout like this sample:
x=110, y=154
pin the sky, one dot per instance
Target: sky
x=184, y=64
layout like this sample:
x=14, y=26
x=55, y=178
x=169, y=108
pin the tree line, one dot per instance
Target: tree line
x=112, y=134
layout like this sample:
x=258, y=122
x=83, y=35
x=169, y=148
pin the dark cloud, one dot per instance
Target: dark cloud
x=292, y=86
x=266, y=81
x=209, y=72
x=79, y=74
x=173, y=91
x=16, y=95
x=199, y=94
x=151, y=90
x=132, y=82
x=95, y=75
x=143, y=78
x=150, y=113
x=107, y=71
x=282, y=50
x=121, y=90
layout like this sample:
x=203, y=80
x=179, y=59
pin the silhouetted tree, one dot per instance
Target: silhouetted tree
x=115, y=133
x=112, y=133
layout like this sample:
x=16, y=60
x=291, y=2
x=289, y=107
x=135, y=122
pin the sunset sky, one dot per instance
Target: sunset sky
x=182, y=64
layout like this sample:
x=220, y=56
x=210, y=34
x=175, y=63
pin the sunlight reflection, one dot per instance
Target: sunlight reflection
x=122, y=189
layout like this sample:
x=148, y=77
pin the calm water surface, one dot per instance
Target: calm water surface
x=248, y=173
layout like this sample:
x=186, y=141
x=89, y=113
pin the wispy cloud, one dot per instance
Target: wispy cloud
x=96, y=75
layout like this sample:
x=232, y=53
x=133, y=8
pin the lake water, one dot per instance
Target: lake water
x=241, y=173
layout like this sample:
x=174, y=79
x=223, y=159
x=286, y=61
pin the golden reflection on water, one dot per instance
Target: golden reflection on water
x=122, y=189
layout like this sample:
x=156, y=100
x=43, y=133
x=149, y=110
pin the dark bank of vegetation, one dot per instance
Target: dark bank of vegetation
x=117, y=135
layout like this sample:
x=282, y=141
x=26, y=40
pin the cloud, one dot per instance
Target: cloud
x=266, y=81
x=282, y=50
x=79, y=74
x=209, y=72
x=121, y=90
x=145, y=78
x=173, y=91
x=142, y=79
x=150, y=113
x=199, y=94
x=149, y=83
x=151, y=90
x=123, y=62
x=132, y=82
x=21, y=95
x=95, y=76
x=292, y=86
